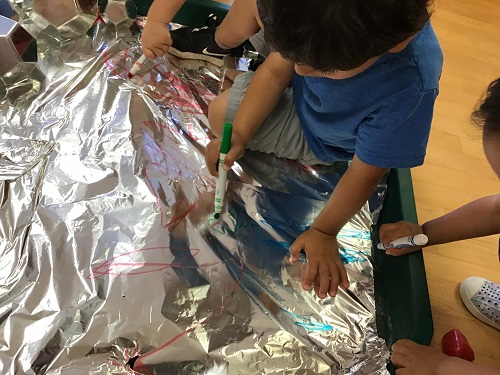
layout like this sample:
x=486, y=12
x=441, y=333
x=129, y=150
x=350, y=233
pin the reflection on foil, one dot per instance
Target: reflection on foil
x=111, y=261
x=62, y=19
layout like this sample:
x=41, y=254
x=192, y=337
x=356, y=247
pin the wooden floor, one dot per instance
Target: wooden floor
x=456, y=171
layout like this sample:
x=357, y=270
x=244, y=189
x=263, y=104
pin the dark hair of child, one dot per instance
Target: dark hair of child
x=330, y=35
x=487, y=113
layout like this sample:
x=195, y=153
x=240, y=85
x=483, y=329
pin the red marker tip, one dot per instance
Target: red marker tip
x=130, y=75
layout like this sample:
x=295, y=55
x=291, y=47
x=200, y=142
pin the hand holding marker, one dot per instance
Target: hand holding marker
x=220, y=188
x=138, y=64
x=400, y=243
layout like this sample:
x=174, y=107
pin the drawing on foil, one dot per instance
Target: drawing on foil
x=123, y=265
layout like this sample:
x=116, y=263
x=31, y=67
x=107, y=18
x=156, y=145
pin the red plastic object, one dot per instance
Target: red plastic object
x=455, y=344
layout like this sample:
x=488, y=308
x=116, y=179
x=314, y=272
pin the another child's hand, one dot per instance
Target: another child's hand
x=324, y=270
x=156, y=39
x=416, y=359
x=212, y=152
x=391, y=232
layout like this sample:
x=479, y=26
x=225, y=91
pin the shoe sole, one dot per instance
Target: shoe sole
x=474, y=311
x=196, y=56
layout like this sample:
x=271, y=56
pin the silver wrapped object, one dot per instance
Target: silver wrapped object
x=121, y=13
x=111, y=259
x=62, y=19
x=14, y=41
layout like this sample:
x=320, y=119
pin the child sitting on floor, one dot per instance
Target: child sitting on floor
x=347, y=80
x=476, y=219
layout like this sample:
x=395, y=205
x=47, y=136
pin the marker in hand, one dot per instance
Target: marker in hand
x=221, y=186
x=137, y=66
x=400, y=243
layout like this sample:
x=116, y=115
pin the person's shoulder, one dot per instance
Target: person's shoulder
x=427, y=56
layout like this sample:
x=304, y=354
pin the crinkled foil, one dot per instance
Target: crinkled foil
x=110, y=260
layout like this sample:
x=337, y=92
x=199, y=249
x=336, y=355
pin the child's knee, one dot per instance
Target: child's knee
x=217, y=112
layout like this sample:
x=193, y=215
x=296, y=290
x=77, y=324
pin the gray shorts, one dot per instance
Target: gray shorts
x=281, y=133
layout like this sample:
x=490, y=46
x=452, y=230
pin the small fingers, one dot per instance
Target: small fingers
x=158, y=51
x=211, y=157
x=295, y=250
x=234, y=154
x=312, y=271
x=344, y=279
x=324, y=279
x=334, y=280
x=398, y=252
x=399, y=360
x=148, y=53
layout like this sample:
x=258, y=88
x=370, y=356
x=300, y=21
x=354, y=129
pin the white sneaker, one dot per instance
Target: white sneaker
x=482, y=299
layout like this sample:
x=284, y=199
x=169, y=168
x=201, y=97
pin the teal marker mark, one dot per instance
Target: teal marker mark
x=307, y=323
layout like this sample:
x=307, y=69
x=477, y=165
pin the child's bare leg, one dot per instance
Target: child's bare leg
x=241, y=22
x=217, y=112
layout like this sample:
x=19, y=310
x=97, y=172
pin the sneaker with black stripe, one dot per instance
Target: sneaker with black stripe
x=199, y=43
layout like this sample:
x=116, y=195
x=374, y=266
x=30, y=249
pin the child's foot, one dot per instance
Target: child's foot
x=482, y=299
x=200, y=44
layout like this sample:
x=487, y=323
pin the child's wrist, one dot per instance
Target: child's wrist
x=244, y=140
x=324, y=231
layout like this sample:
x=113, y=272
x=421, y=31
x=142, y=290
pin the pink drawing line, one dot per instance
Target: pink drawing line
x=225, y=300
x=112, y=267
x=106, y=269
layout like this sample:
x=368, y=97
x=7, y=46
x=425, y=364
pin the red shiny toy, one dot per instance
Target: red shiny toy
x=455, y=344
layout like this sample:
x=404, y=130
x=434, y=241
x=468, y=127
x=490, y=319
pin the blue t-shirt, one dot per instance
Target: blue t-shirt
x=383, y=114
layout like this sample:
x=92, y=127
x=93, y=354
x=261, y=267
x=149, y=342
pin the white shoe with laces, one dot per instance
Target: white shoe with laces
x=482, y=299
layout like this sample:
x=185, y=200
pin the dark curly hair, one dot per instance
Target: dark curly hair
x=330, y=35
x=487, y=113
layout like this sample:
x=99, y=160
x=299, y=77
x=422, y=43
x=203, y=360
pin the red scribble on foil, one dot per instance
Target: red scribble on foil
x=114, y=65
x=139, y=364
x=121, y=265
x=107, y=268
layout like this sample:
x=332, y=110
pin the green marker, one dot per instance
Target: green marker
x=220, y=188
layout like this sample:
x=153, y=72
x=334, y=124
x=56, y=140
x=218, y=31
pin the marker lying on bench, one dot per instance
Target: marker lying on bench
x=137, y=66
x=221, y=186
x=400, y=243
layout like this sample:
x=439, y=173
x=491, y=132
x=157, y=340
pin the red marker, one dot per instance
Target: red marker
x=137, y=66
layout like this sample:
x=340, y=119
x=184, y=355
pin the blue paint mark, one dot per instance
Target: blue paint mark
x=347, y=258
x=350, y=233
x=307, y=323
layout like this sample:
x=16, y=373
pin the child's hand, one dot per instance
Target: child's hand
x=416, y=359
x=390, y=232
x=324, y=270
x=212, y=152
x=156, y=39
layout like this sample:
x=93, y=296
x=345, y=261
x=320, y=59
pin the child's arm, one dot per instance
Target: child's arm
x=263, y=94
x=156, y=37
x=325, y=270
x=458, y=366
x=414, y=359
x=476, y=219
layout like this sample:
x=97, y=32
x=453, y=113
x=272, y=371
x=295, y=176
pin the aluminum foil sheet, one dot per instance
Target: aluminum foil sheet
x=110, y=260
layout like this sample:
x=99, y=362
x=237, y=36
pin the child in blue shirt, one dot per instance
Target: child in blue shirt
x=346, y=80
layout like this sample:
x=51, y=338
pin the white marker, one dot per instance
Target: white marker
x=137, y=66
x=221, y=186
x=400, y=243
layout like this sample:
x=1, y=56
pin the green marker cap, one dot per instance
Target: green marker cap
x=225, y=145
